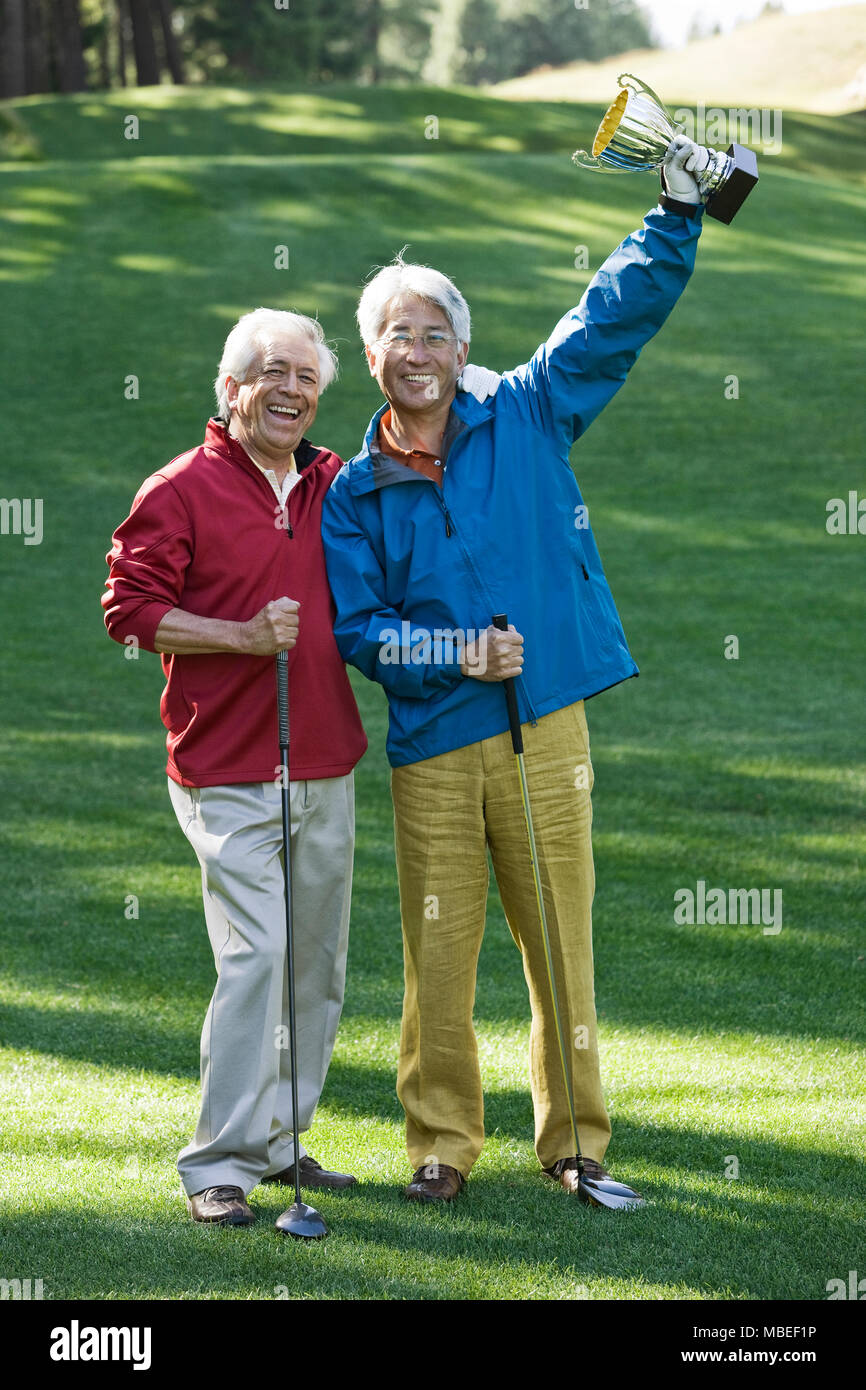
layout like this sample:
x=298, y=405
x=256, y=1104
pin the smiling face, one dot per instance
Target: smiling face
x=273, y=409
x=419, y=378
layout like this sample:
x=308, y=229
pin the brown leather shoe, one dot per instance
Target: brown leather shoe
x=434, y=1182
x=312, y=1175
x=223, y=1205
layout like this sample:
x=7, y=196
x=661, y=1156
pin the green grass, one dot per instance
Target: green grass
x=121, y=259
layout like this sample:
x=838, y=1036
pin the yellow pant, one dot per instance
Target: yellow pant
x=447, y=811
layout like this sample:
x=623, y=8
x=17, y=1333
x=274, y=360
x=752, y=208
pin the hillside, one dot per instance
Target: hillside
x=809, y=62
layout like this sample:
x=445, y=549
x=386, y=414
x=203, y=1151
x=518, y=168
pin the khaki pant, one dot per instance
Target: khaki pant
x=244, y=1131
x=447, y=811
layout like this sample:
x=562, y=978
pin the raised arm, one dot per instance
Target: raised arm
x=587, y=357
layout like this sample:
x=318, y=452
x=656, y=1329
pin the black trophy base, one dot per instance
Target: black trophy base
x=727, y=200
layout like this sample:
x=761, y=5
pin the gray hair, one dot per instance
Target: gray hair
x=247, y=339
x=419, y=280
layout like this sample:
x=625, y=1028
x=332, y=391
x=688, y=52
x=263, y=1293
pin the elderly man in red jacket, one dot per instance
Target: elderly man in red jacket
x=218, y=566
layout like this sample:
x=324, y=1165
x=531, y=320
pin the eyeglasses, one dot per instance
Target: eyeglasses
x=404, y=341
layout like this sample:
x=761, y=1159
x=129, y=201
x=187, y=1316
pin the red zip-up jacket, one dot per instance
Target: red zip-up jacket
x=206, y=534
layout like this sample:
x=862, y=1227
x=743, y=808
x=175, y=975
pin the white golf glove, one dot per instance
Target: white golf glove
x=683, y=160
x=480, y=382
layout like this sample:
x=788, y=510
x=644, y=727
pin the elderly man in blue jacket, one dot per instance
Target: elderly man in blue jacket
x=454, y=511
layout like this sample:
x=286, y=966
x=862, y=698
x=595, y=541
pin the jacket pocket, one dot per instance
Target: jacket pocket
x=176, y=713
x=589, y=610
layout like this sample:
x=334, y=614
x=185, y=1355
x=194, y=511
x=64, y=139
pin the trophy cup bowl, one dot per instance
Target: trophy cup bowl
x=635, y=134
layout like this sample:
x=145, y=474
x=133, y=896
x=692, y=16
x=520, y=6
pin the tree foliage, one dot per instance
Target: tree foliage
x=70, y=45
x=498, y=39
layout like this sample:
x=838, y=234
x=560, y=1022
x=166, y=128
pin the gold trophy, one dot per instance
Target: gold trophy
x=635, y=134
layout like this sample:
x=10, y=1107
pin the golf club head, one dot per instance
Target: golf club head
x=302, y=1222
x=606, y=1192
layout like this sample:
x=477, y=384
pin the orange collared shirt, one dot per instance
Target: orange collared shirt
x=428, y=464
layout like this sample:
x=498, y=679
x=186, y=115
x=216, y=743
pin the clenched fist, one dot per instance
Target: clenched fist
x=494, y=655
x=273, y=629
x=683, y=161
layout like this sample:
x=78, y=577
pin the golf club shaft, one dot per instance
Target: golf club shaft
x=283, y=716
x=500, y=621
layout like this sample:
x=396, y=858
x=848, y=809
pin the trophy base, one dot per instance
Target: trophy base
x=742, y=176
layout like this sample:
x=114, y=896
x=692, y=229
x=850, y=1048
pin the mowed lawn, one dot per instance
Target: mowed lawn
x=732, y=1057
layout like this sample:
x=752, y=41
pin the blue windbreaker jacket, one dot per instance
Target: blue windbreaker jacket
x=507, y=532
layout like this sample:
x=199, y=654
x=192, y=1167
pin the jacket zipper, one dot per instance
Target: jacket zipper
x=290, y=535
x=450, y=529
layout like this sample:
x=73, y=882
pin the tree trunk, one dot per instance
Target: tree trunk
x=173, y=58
x=38, y=48
x=71, y=72
x=374, y=36
x=121, y=17
x=146, y=65
x=13, y=66
x=104, y=53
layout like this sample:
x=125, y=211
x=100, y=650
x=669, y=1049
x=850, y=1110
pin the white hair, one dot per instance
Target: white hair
x=248, y=339
x=419, y=280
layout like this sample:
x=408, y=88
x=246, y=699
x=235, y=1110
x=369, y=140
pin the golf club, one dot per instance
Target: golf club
x=300, y=1221
x=596, y=1192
